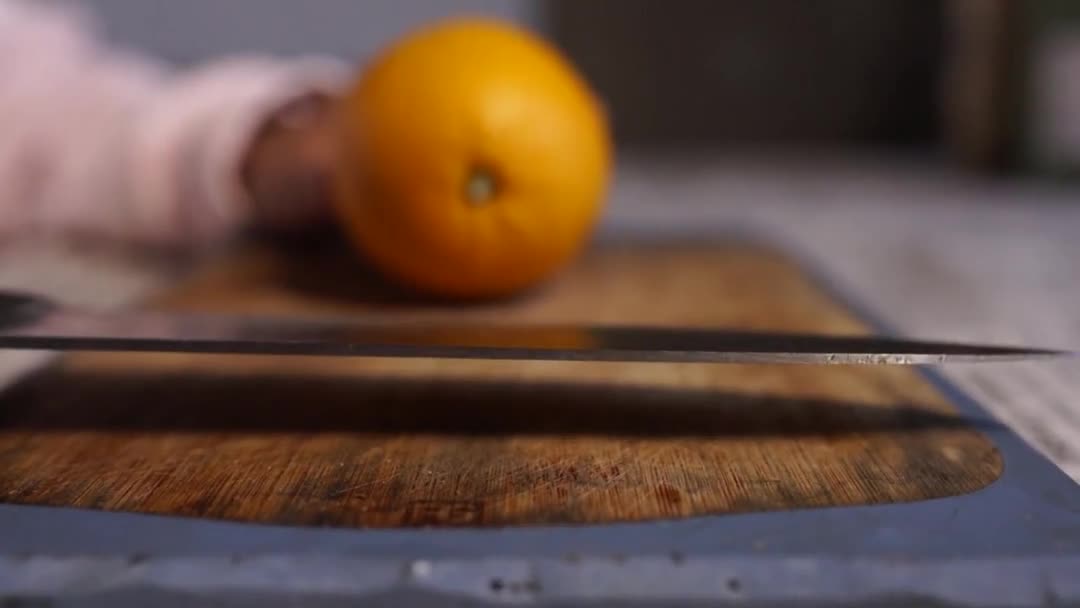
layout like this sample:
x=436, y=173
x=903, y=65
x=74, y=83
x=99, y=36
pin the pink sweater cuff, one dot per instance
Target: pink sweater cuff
x=190, y=143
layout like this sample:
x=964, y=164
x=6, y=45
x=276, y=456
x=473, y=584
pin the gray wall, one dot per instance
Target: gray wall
x=186, y=31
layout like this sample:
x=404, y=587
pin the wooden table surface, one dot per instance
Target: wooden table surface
x=393, y=443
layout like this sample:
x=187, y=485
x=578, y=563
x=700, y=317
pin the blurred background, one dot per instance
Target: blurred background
x=984, y=85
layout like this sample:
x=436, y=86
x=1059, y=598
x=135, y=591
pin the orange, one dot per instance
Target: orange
x=476, y=160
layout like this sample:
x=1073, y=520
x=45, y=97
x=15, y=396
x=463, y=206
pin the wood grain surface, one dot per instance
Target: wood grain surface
x=389, y=443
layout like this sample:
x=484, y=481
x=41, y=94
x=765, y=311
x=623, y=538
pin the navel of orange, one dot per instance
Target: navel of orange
x=476, y=160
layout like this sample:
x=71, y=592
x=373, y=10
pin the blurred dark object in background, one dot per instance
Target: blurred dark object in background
x=1045, y=71
x=981, y=89
x=1011, y=92
x=707, y=73
x=986, y=85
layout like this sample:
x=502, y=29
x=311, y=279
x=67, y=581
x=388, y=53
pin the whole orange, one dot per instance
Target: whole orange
x=475, y=160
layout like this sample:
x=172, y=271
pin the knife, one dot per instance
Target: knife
x=29, y=322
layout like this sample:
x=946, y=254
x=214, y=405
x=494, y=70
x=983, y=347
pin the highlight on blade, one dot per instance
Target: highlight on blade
x=163, y=332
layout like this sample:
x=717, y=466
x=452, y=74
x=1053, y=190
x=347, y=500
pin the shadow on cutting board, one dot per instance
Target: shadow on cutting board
x=297, y=403
x=403, y=452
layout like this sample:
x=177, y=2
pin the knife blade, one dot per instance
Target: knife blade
x=30, y=322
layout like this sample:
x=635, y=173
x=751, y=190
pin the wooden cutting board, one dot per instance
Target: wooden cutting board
x=391, y=443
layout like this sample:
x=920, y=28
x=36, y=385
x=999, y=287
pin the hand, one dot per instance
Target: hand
x=289, y=169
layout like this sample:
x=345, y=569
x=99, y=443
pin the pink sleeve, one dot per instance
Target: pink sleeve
x=100, y=143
